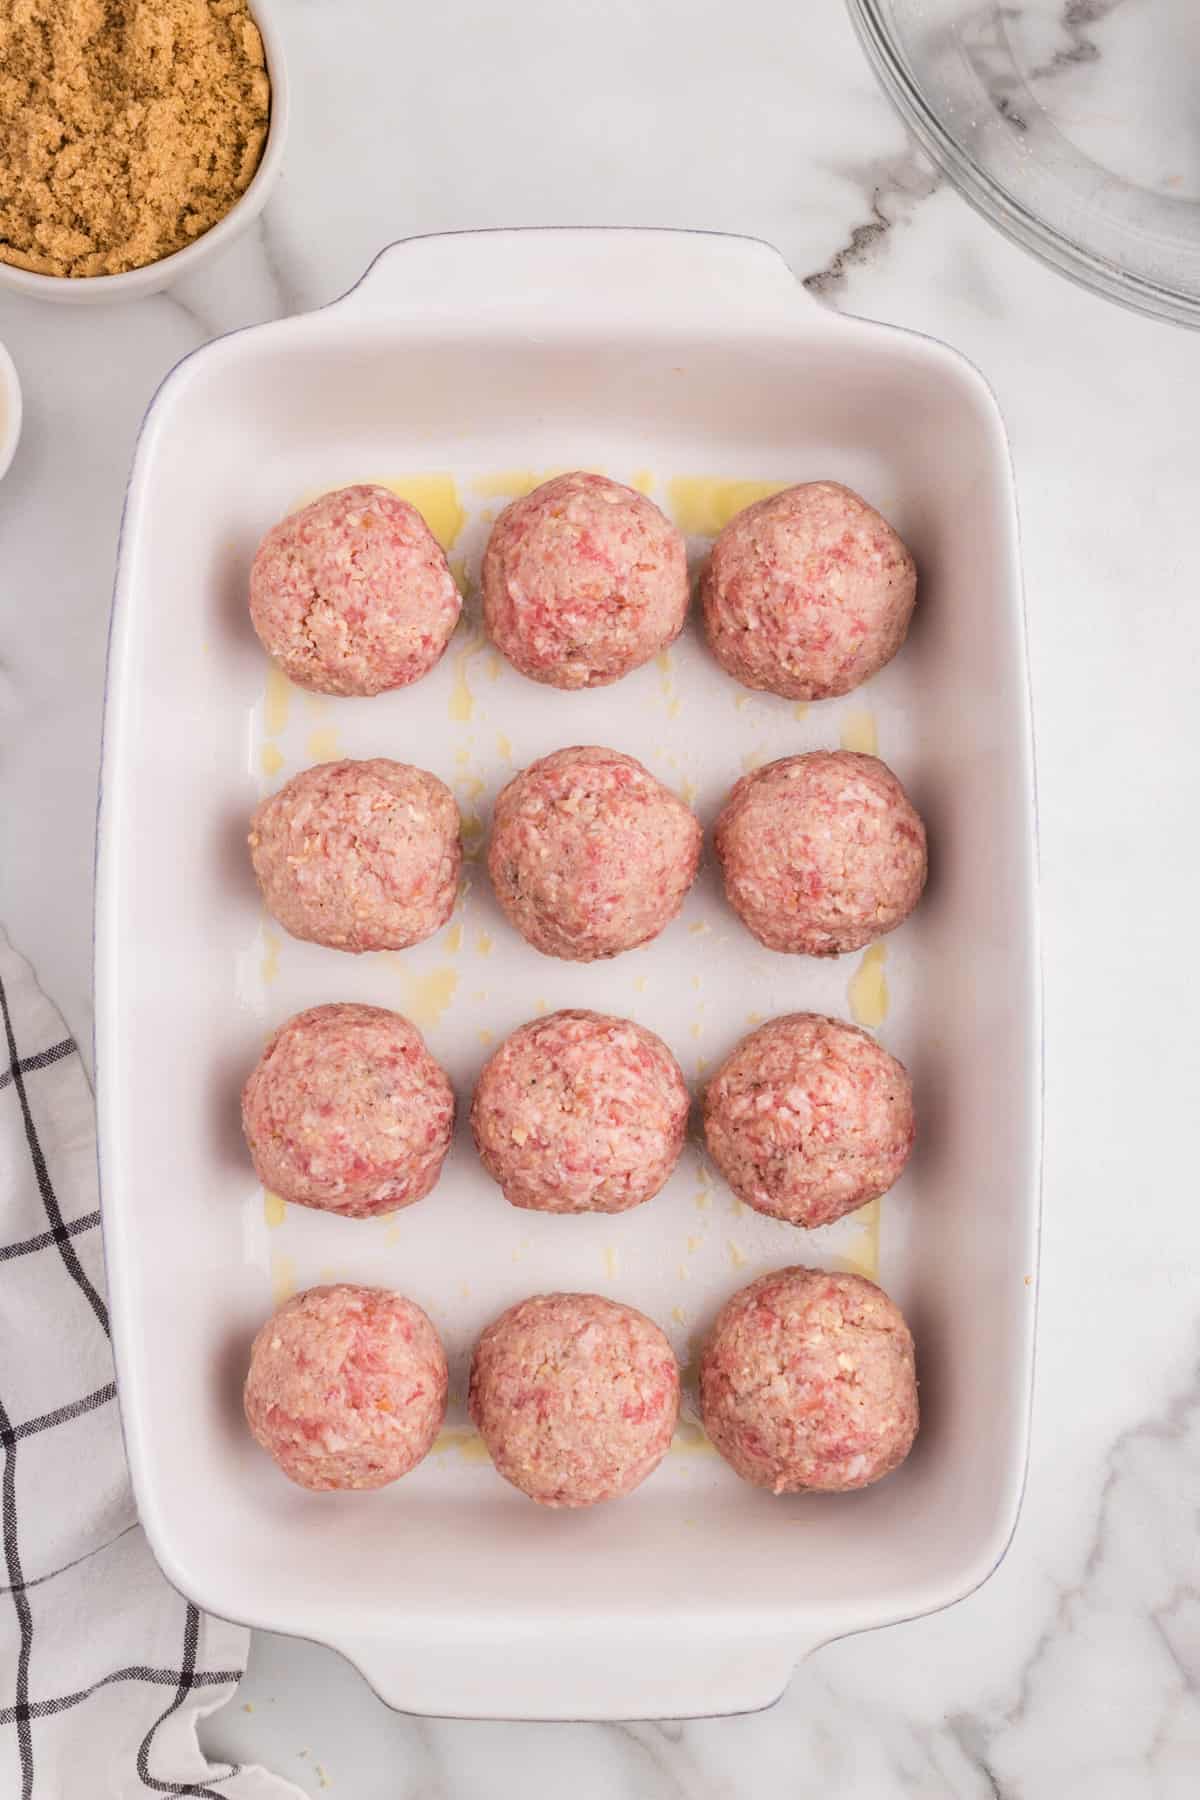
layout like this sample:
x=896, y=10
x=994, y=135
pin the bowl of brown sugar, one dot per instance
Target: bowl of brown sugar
x=137, y=139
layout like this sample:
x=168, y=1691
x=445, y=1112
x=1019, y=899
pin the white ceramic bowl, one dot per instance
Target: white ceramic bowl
x=85, y=290
x=10, y=410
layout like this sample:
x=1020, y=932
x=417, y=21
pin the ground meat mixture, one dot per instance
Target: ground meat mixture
x=590, y=855
x=359, y=855
x=347, y=1111
x=807, y=1383
x=576, y=1397
x=579, y=1112
x=807, y=593
x=347, y=1387
x=583, y=580
x=809, y=1118
x=821, y=853
x=353, y=594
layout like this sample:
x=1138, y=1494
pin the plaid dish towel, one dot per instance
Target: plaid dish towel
x=104, y=1669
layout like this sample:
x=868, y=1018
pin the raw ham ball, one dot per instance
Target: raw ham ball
x=578, y=1112
x=347, y=1387
x=359, y=855
x=347, y=1111
x=576, y=1397
x=589, y=854
x=807, y=593
x=809, y=1118
x=808, y=1384
x=821, y=853
x=583, y=580
x=353, y=594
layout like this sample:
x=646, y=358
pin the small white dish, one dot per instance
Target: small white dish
x=135, y=284
x=10, y=410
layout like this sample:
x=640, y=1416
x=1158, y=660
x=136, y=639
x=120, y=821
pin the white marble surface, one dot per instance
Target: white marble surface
x=1075, y=1671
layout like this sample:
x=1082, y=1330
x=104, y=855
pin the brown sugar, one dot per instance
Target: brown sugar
x=128, y=128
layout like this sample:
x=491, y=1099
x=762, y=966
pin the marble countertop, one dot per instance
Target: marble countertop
x=1076, y=1670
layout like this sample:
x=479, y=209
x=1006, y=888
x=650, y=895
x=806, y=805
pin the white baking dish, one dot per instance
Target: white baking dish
x=669, y=354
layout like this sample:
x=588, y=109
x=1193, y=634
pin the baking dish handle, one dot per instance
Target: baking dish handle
x=634, y=1670
x=566, y=278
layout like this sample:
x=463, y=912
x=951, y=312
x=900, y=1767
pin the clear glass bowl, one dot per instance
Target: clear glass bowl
x=1073, y=125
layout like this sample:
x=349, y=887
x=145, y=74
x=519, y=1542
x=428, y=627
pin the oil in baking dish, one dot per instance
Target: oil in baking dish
x=435, y=498
x=867, y=991
x=859, y=732
x=702, y=505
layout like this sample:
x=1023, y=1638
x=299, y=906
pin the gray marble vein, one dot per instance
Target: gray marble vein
x=1010, y=50
x=667, y=1758
x=971, y=1738
x=198, y=322
x=287, y=292
x=249, y=285
x=1147, y=1517
x=895, y=189
x=1078, y=18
